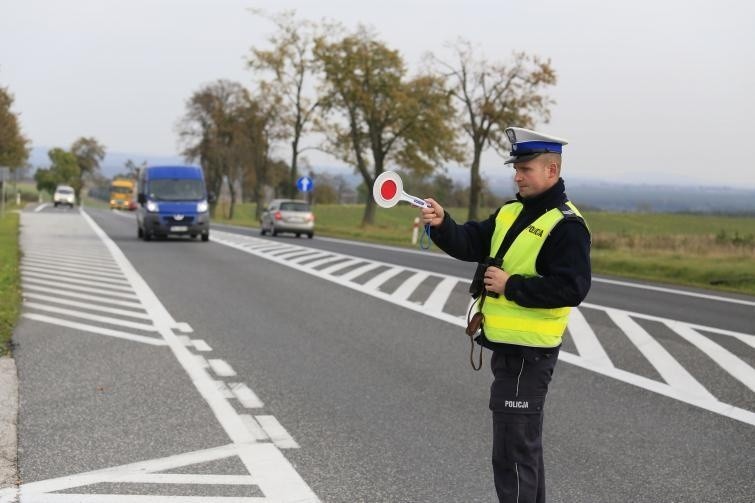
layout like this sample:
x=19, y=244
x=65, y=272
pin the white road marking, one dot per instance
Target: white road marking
x=73, y=262
x=440, y=294
x=277, y=478
x=106, y=278
x=340, y=265
x=310, y=256
x=746, y=338
x=224, y=389
x=409, y=285
x=77, y=256
x=39, y=491
x=187, y=479
x=355, y=273
x=291, y=251
x=670, y=370
x=728, y=361
x=41, y=207
x=319, y=261
x=101, y=271
x=201, y=361
x=277, y=432
x=675, y=291
x=69, y=286
x=254, y=427
x=596, y=279
x=94, y=329
x=133, y=498
x=588, y=346
x=75, y=281
x=183, y=327
x=201, y=345
x=374, y=283
x=662, y=389
x=184, y=339
x=371, y=288
x=95, y=298
x=85, y=305
x=92, y=317
x=246, y=396
x=221, y=368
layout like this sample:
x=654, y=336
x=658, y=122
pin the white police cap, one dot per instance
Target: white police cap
x=527, y=144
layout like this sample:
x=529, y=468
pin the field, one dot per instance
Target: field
x=716, y=252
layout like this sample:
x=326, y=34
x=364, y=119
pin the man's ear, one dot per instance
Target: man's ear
x=553, y=170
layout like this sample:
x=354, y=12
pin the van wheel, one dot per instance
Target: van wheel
x=262, y=231
x=274, y=232
x=205, y=236
x=298, y=235
x=309, y=235
x=139, y=232
x=147, y=236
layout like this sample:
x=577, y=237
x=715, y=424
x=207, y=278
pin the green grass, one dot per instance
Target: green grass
x=709, y=251
x=10, y=280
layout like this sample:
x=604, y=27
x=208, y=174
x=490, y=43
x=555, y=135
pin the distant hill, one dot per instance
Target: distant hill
x=594, y=194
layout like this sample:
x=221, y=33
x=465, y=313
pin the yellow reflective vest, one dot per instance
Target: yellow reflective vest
x=506, y=321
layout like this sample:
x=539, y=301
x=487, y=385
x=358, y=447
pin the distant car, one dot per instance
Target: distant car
x=64, y=195
x=288, y=215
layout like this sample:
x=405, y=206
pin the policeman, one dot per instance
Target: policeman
x=543, y=246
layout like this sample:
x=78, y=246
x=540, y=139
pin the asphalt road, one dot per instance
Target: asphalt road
x=379, y=397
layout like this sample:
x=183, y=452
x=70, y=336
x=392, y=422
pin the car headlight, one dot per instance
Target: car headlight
x=152, y=207
x=202, y=207
x=112, y=201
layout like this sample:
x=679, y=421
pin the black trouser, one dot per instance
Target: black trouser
x=517, y=397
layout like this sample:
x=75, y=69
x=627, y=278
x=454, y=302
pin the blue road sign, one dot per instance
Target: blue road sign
x=305, y=184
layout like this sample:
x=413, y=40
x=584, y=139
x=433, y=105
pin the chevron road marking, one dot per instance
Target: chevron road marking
x=256, y=442
x=678, y=383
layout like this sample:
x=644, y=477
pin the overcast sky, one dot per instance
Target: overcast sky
x=648, y=91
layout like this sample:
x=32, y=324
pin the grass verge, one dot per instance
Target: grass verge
x=10, y=279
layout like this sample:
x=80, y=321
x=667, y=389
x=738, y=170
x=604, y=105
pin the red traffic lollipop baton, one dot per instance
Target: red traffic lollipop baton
x=388, y=190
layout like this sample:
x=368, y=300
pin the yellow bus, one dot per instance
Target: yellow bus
x=122, y=194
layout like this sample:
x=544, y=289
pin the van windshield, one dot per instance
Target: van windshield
x=120, y=190
x=176, y=189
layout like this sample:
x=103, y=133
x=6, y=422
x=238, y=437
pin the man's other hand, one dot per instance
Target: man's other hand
x=432, y=215
x=495, y=279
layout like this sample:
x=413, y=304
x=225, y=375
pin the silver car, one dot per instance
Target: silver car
x=64, y=195
x=288, y=215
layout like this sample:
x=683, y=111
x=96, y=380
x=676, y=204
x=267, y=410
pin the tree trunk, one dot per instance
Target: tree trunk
x=369, y=210
x=294, y=167
x=233, y=199
x=475, y=184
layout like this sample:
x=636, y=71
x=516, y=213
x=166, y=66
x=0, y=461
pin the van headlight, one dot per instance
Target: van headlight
x=152, y=207
x=202, y=207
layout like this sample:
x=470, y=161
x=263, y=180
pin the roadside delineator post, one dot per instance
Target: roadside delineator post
x=415, y=230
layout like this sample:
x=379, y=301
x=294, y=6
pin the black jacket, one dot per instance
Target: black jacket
x=563, y=263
